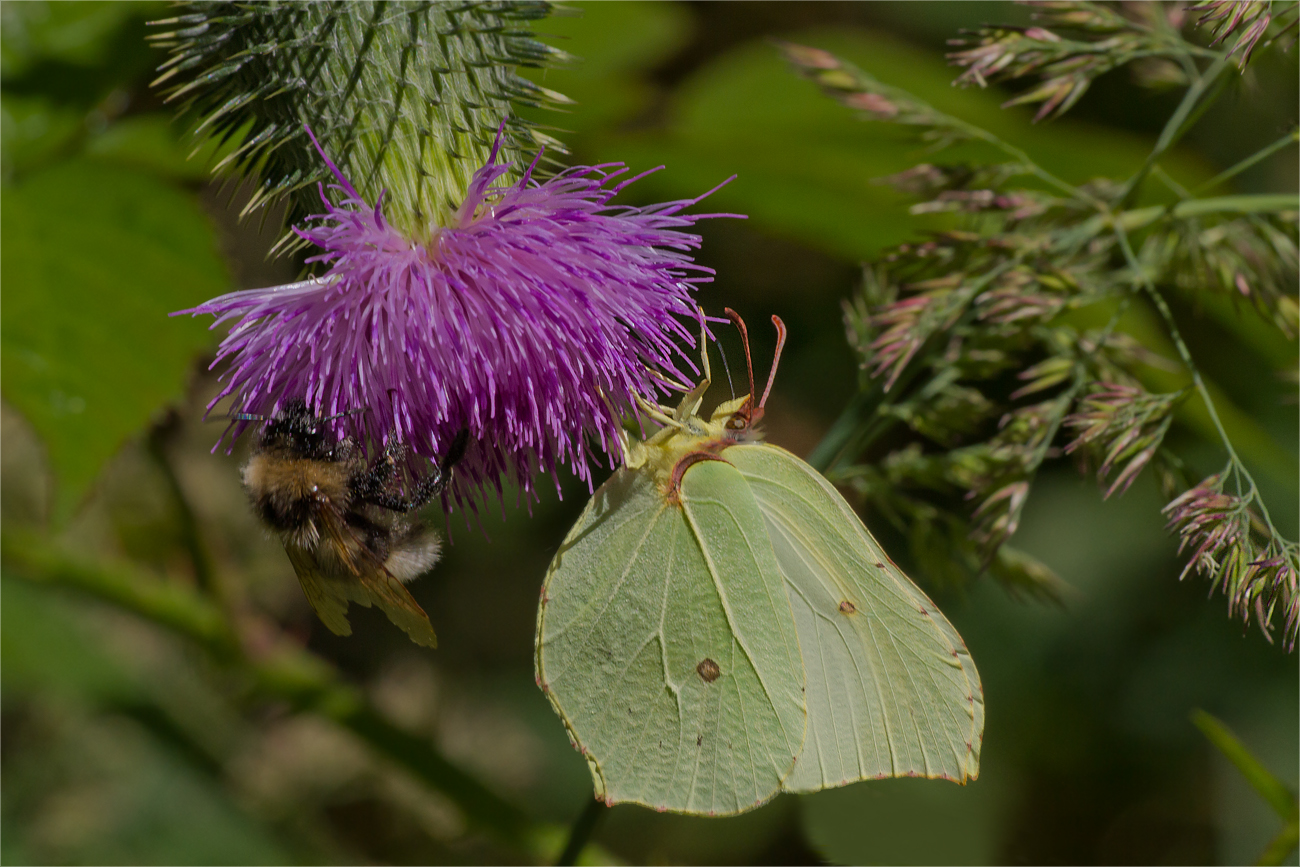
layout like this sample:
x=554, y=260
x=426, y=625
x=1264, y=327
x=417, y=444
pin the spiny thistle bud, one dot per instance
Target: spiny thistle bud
x=406, y=96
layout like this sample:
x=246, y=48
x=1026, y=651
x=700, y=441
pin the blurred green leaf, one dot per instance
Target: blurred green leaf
x=71, y=32
x=808, y=168
x=151, y=142
x=32, y=127
x=1252, y=330
x=116, y=795
x=902, y=821
x=95, y=259
x=1282, y=845
x=607, y=83
x=1269, y=787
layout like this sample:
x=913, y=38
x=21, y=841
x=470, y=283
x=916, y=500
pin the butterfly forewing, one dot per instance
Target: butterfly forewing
x=666, y=645
x=892, y=690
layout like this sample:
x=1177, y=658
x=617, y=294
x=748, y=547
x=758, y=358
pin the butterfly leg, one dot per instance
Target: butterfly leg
x=690, y=405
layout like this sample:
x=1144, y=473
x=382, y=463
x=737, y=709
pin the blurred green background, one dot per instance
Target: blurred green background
x=121, y=743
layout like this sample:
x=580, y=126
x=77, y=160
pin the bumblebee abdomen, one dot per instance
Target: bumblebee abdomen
x=281, y=514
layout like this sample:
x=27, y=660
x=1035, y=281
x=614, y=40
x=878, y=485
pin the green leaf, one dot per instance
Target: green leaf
x=32, y=128
x=151, y=142
x=907, y=822
x=77, y=33
x=95, y=259
x=608, y=83
x=1269, y=787
x=1282, y=845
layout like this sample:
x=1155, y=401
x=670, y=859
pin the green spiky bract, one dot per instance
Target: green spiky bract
x=405, y=97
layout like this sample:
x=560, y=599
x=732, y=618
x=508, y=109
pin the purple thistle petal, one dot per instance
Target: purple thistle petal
x=531, y=321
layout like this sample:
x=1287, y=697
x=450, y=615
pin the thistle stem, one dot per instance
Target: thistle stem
x=581, y=832
x=1263, y=153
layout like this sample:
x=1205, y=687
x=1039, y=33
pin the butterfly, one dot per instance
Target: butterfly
x=719, y=626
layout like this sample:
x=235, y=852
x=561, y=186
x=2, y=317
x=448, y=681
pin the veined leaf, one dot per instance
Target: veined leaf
x=95, y=257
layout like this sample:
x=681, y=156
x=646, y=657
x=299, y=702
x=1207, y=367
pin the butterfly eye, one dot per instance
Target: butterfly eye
x=737, y=422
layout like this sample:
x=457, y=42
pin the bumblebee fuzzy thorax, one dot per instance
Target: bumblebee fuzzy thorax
x=295, y=472
x=287, y=491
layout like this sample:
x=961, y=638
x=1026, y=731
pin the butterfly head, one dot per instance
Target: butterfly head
x=739, y=416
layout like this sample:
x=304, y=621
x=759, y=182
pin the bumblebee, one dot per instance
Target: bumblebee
x=340, y=521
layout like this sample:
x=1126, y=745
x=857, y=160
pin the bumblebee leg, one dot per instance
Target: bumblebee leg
x=371, y=488
x=371, y=484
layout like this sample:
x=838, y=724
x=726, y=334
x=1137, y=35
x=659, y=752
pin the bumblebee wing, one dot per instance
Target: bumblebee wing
x=377, y=584
x=329, y=598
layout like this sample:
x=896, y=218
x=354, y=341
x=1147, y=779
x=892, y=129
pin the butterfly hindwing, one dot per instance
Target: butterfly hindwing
x=892, y=689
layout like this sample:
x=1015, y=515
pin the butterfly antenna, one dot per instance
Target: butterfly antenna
x=731, y=386
x=246, y=416
x=744, y=339
x=776, y=359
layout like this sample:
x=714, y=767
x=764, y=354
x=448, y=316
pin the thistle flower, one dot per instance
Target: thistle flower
x=530, y=319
